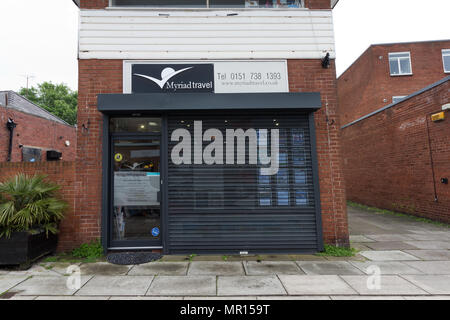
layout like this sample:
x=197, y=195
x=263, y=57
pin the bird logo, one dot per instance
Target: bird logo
x=166, y=75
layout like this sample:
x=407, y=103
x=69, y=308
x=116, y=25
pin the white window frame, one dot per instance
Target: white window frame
x=110, y=6
x=445, y=53
x=398, y=97
x=399, y=67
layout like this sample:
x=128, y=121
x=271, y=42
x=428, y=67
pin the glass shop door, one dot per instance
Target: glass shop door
x=135, y=218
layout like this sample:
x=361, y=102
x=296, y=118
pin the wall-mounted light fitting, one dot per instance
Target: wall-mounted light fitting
x=326, y=61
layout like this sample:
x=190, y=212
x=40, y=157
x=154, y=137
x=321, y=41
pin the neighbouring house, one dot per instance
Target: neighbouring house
x=208, y=127
x=29, y=133
x=386, y=73
x=395, y=135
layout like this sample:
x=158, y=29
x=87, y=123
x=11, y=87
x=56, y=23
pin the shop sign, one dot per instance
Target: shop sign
x=172, y=78
x=206, y=77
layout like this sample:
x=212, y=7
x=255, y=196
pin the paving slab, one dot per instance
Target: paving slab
x=9, y=281
x=386, y=267
x=252, y=257
x=315, y=285
x=35, y=270
x=216, y=268
x=430, y=236
x=104, y=269
x=356, y=257
x=116, y=286
x=430, y=229
x=432, y=245
x=271, y=267
x=208, y=257
x=306, y=257
x=367, y=298
x=176, y=258
x=222, y=298
x=328, y=268
x=389, y=285
x=394, y=255
x=431, y=267
x=164, y=298
x=360, y=246
x=388, y=237
x=48, y=286
x=160, y=268
x=433, y=284
x=360, y=238
x=16, y=297
x=427, y=297
x=278, y=257
x=361, y=226
x=183, y=286
x=60, y=267
x=293, y=298
x=249, y=286
x=389, y=245
x=72, y=298
x=438, y=255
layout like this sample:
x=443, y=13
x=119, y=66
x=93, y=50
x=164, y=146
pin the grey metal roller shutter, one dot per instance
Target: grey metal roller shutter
x=233, y=208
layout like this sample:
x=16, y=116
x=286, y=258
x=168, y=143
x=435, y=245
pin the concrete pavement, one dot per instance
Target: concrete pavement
x=400, y=258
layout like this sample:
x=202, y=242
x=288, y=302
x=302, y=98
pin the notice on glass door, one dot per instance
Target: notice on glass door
x=136, y=188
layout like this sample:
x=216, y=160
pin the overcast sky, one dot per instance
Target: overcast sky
x=39, y=37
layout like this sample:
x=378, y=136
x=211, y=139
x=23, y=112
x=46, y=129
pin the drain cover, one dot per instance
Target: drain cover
x=127, y=258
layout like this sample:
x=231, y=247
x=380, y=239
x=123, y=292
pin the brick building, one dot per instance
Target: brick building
x=34, y=131
x=385, y=73
x=164, y=92
x=395, y=156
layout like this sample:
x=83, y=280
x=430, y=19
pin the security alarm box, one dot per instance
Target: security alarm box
x=438, y=116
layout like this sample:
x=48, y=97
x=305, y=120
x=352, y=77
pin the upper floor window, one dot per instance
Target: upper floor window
x=446, y=60
x=209, y=3
x=400, y=63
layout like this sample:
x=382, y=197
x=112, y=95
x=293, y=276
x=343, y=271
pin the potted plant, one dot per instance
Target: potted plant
x=30, y=211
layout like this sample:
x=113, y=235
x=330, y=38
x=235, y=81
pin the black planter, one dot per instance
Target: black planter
x=22, y=248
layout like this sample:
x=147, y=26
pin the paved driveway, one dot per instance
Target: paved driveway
x=399, y=258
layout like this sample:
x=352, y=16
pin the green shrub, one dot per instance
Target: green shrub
x=92, y=250
x=29, y=204
x=333, y=251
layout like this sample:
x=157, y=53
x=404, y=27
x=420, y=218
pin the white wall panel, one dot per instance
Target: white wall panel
x=204, y=34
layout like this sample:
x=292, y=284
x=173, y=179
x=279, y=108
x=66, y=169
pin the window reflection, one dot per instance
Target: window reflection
x=135, y=125
x=136, y=183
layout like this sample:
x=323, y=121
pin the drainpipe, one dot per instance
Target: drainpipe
x=10, y=125
x=431, y=158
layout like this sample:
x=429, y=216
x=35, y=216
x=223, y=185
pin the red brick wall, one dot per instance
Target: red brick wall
x=363, y=87
x=387, y=157
x=62, y=173
x=32, y=131
x=94, y=4
x=318, y=4
x=105, y=76
x=95, y=77
x=309, y=76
